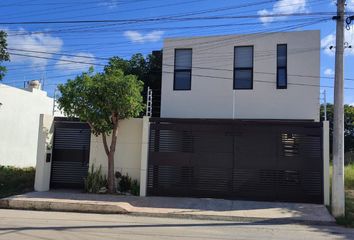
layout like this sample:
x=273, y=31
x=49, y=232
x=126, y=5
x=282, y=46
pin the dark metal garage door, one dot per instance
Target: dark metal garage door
x=71, y=148
x=234, y=159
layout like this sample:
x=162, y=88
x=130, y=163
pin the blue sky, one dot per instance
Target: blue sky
x=90, y=42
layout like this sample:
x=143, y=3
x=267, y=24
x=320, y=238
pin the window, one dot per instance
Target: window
x=282, y=78
x=243, y=67
x=183, y=69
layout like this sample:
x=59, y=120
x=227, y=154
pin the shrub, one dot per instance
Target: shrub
x=127, y=185
x=95, y=181
x=135, y=188
x=16, y=180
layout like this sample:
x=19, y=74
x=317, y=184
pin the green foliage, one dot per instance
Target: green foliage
x=147, y=69
x=95, y=180
x=15, y=180
x=135, y=188
x=127, y=184
x=4, y=55
x=348, y=125
x=96, y=98
x=349, y=176
x=348, y=220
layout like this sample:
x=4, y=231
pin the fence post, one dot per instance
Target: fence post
x=326, y=178
x=144, y=156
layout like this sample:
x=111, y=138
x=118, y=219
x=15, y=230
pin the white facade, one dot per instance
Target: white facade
x=19, y=124
x=212, y=94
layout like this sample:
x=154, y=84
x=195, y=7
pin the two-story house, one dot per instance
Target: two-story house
x=240, y=119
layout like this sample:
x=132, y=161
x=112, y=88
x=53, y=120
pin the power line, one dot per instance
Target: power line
x=231, y=79
x=62, y=60
x=101, y=28
x=168, y=65
x=169, y=18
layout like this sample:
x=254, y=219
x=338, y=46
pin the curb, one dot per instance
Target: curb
x=253, y=220
x=62, y=206
x=95, y=207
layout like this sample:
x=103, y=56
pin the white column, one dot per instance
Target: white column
x=144, y=155
x=45, y=143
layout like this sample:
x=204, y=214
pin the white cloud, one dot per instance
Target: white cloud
x=350, y=5
x=351, y=104
x=328, y=72
x=327, y=42
x=330, y=40
x=72, y=63
x=283, y=7
x=32, y=44
x=138, y=37
x=109, y=3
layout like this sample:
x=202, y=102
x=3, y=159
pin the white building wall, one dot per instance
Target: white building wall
x=19, y=124
x=213, y=97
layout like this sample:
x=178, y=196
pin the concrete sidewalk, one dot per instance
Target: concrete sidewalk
x=198, y=208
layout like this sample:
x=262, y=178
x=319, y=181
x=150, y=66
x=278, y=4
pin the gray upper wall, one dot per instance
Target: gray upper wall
x=212, y=96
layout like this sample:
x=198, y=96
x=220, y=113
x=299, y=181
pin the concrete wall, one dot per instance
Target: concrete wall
x=128, y=151
x=212, y=97
x=19, y=117
x=44, y=147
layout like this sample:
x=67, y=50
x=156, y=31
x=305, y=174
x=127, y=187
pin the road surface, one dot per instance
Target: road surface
x=18, y=224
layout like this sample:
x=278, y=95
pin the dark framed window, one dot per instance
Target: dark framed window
x=243, y=67
x=282, y=72
x=183, y=69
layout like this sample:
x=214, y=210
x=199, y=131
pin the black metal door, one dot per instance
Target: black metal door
x=71, y=149
x=254, y=160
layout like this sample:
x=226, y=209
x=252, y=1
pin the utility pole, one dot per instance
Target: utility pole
x=338, y=198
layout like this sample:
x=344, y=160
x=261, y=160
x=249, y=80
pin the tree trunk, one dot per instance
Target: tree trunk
x=111, y=172
x=112, y=150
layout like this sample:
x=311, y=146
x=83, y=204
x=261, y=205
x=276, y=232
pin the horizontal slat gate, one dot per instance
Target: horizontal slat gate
x=71, y=148
x=255, y=160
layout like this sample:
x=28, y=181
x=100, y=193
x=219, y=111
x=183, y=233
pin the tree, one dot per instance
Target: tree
x=4, y=55
x=103, y=100
x=348, y=125
x=147, y=69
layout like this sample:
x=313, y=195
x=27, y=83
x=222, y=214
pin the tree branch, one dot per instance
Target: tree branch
x=104, y=138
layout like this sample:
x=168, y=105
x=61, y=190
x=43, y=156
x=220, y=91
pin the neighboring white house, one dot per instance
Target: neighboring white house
x=256, y=76
x=19, y=123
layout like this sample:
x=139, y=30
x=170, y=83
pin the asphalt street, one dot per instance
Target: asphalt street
x=19, y=224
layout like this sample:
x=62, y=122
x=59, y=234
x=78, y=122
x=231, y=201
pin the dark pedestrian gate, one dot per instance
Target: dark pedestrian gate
x=71, y=149
x=236, y=159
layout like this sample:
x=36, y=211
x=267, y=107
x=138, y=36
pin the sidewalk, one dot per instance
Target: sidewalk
x=199, y=208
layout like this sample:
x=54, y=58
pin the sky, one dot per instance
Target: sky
x=55, y=52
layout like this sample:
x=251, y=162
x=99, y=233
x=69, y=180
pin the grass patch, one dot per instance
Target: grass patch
x=349, y=176
x=15, y=180
x=348, y=220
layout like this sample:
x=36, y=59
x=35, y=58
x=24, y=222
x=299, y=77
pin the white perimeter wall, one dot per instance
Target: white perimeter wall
x=127, y=158
x=212, y=97
x=19, y=124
